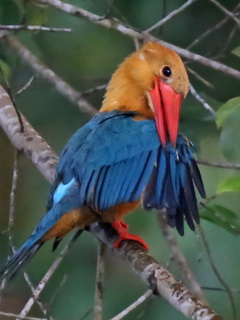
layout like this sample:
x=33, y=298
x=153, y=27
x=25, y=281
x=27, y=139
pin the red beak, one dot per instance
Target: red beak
x=166, y=104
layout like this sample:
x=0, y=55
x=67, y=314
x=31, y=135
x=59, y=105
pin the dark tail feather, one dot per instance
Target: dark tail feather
x=19, y=258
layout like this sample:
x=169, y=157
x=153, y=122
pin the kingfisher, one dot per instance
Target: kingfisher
x=129, y=153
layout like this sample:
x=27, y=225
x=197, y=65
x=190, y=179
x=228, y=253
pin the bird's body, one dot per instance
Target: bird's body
x=130, y=152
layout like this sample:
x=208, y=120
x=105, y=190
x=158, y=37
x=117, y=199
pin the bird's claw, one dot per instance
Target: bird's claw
x=121, y=227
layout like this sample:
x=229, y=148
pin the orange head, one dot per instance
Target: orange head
x=152, y=81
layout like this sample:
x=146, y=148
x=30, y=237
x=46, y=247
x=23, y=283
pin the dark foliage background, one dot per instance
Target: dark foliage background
x=86, y=58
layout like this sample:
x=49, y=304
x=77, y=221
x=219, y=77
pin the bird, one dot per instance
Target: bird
x=129, y=154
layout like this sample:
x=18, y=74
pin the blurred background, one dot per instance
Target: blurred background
x=86, y=58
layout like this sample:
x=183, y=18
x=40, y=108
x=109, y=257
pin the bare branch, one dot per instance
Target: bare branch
x=227, y=12
x=92, y=90
x=211, y=30
x=12, y=315
x=130, y=32
x=158, y=278
x=217, y=273
x=170, y=15
x=202, y=101
x=33, y=28
x=12, y=203
x=61, y=86
x=45, y=279
x=27, y=85
x=41, y=305
x=133, y=306
x=235, y=166
x=179, y=257
x=98, y=305
x=200, y=78
x=29, y=141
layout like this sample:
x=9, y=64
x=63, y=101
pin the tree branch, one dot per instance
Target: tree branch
x=158, y=278
x=33, y=28
x=133, y=306
x=202, y=101
x=235, y=166
x=170, y=15
x=130, y=32
x=179, y=258
x=60, y=85
x=98, y=305
x=13, y=315
x=227, y=12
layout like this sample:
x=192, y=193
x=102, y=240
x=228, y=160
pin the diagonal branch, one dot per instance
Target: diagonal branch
x=39, y=288
x=202, y=101
x=133, y=306
x=211, y=30
x=60, y=85
x=170, y=15
x=33, y=28
x=227, y=12
x=179, y=258
x=235, y=166
x=158, y=279
x=98, y=305
x=130, y=32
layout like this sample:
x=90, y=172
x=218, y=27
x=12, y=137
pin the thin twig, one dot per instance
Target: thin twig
x=10, y=227
x=33, y=28
x=218, y=275
x=27, y=85
x=92, y=90
x=235, y=166
x=12, y=203
x=98, y=305
x=200, y=78
x=211, y=30
x=46, y=278
x=60, y=85
x=234, y=290
x=164, y=14
x=224, y=48
x=39, y=302
x=170, y=15
x=133, y=306
x=12, y=315
x=130, y=32
x=202, y=101
x=56, y=292
x=11, y=214
x=179, y=257
x=227, y=12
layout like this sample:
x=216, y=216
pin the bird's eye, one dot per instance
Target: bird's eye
x=166, y=71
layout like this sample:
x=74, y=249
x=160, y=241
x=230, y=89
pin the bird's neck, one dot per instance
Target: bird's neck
x=124, y=95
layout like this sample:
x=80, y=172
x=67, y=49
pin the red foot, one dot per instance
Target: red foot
x=121, y=227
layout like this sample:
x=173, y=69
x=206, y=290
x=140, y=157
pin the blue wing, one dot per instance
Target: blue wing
x=114, y=159
x=111, y=159
x=171, y=186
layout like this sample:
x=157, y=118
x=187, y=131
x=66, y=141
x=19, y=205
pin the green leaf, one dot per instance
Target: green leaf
x=226, y=109
x=229, y=185
x=223, y=217
x=36, y=15
x=230, y=136
x=5, y=71
x=236, y=51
